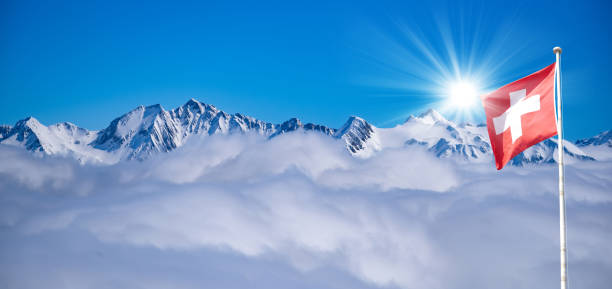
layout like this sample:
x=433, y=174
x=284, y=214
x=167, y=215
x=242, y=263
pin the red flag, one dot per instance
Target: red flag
x=521, y=114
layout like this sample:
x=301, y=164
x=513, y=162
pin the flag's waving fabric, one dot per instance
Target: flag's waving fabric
x=521, y=114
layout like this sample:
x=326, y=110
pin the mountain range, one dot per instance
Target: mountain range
x=149, y=130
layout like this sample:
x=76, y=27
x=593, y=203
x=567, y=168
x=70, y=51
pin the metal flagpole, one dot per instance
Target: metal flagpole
x=557, y=51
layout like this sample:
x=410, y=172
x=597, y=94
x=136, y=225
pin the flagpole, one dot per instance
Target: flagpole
x=557, y=51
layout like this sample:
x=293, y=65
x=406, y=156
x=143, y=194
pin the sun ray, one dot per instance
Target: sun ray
x=429, y=69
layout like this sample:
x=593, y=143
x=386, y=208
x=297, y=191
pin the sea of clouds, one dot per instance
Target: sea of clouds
x=297, y=211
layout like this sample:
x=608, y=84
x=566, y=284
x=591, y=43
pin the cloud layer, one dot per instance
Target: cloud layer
x=297, y=211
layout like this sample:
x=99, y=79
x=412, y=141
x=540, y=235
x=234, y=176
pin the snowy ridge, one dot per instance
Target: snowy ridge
x=140, y=133
x=602, y=139
x=59, y=139
x=360, y=137
x=440, y=136
x=599, y=145
x=146, y=131
x=467, y=142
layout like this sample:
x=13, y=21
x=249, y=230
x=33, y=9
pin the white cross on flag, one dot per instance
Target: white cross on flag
x=521, y=114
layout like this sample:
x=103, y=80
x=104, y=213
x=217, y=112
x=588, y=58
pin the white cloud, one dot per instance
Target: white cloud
x=296, y=211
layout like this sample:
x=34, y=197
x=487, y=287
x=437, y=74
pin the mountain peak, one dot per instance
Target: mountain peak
x=29, y=122
x=197, y=106
x=154, y=108
x=353, y=118
x=358, y=135
x=351, y=122
x=600, y=139
x=148, y=108
x=431, y=115
x=291, y=124
x=192, y=102
x=142, y=112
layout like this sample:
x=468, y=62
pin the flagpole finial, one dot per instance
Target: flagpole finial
x=557, y=50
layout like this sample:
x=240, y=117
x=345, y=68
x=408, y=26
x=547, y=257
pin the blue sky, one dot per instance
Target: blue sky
x=88, y=62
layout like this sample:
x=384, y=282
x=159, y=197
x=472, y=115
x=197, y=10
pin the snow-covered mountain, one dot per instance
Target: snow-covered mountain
x=140, y=133
x=59, y=139
x=447, y=139
x=360, y=137
x=440, y=136
x=599, y=145
x=146, y=131
x=602, y=139
x=149, y=130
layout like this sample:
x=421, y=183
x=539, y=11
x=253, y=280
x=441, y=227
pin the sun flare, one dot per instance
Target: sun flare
x=462, y=94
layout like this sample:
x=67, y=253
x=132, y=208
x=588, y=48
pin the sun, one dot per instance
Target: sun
x=462, y=94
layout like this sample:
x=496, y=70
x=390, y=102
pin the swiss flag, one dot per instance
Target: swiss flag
x=521, y=114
